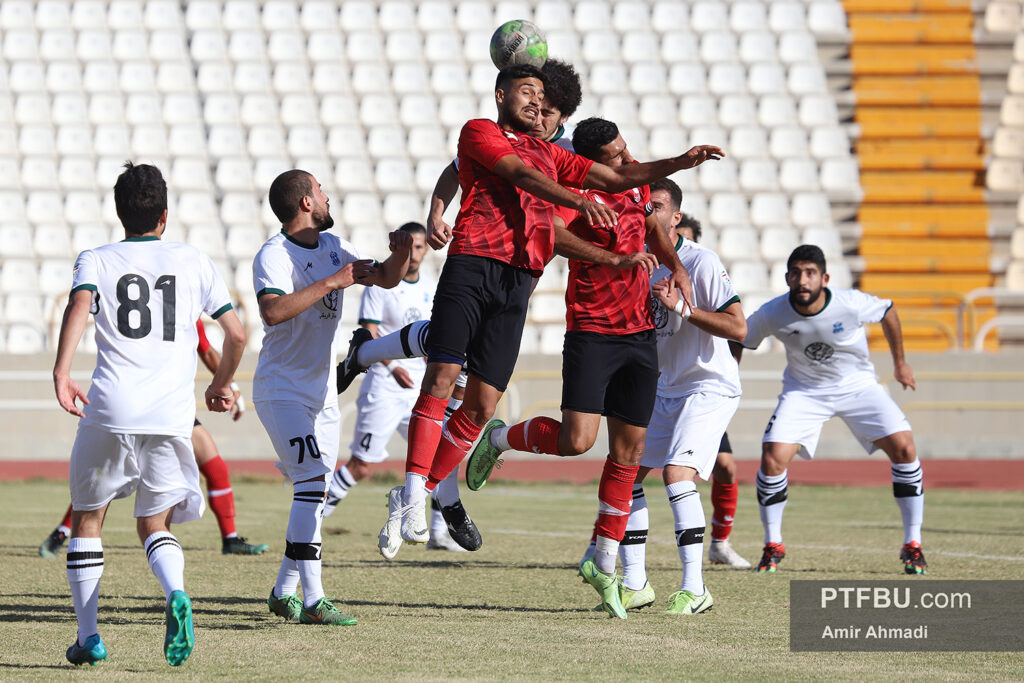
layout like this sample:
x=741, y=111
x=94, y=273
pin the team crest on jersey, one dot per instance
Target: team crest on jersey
x=636, y=195
x=837, y=328
x=660, y=313
x=412, y=314
x=331, y=301
x=819, y=352
x=334, y=258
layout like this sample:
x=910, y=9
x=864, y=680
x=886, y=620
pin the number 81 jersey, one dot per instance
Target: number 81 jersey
x=147, y=296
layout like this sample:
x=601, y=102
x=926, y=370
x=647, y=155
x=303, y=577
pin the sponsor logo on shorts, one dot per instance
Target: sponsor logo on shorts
x=334, y=258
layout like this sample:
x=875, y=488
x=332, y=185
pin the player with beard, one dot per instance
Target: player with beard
x=298, y=275
x=503, y=237
x=829, y=373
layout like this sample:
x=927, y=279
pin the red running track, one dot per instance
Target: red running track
x=984, y=475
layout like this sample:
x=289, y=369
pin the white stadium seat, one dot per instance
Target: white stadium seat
x=747, y=16
x=769, y=208
x=727, y=79
x=758, y=175
x=719, y=46
x=687, y=78
x=767, y=79
x=811, y=208
x=55, y=273
x=324, y=46
x=709, y=15
x=840, y=178
x=788, y=142
x=19, y=275
x=354, y=174
x=601, y=46
x=640, y=46
x=757, y=46
x=777, y=242
x=52, y=14
x=747, y=142
x=798, y=175
x=16, y=241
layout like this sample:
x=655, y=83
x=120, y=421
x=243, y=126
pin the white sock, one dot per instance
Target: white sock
x=287, y=578
x=772, y=492
x=499, y=437
x=447, y=491
x=85, y=567
x=303, y=541
x=908, y=489
x=689, y=524
x=166, y=560
x=605, y=552
x=66, y=530
x=341, y=483
x=633, y=549
x=415, y=488
x=408, y=342
x=438, y=527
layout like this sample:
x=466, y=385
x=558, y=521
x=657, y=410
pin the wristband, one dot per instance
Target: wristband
x=240, y=404
x=682, y=309
x=235, y=387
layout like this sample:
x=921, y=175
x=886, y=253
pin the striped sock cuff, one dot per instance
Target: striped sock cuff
x=85, y=559
x=161, y=539
x=772, y=489
x=907, y=479
x=313, y=496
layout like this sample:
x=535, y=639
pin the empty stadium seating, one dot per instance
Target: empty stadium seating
x=225, y=94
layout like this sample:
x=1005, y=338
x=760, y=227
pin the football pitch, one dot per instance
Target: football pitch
x=513, y=610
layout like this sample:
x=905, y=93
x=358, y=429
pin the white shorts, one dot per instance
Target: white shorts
x=687, y=431
x=305, y=439
x=161, y=470
x=378, y=415
x=868, y=411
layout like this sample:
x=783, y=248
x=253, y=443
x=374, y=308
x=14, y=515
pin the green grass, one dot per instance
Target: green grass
x=514, y=609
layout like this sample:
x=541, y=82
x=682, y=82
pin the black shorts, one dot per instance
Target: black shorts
x=197, y=424
x=725, y=446
x=613, y=375
x=478, y=316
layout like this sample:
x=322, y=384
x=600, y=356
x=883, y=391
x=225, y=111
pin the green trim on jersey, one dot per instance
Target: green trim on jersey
x=363, y=321
x=91, y=288
x=269, y=290
x=891, y=304
x=311, y=247
x=679, y=241
x=141, y=238
x=221, y=311
x=727, y=304
x=828, y=300
x=559, y=134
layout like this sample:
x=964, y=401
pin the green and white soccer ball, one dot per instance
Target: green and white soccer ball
x=518, y=42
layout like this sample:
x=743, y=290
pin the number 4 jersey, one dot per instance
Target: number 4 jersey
x=147, y=296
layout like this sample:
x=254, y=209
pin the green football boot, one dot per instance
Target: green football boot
x=323, y=612
x=685, y=602
x=287, y=606
x=636, y=600
x=180, y=637
x=483, y=459
x=607, y=586
x=92, y=653
x=238, y=545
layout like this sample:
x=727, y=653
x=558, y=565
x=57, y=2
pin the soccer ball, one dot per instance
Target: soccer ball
x=518, y=42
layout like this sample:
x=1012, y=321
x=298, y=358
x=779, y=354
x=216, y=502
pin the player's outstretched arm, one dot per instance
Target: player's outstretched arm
x=278, y=308
x=627, y=176
x=220, y=396
x=72, y=327
x=572, y=247
x=390, y=272
x=729, y=324
x=439, y=232
x=901, y=369
x=511, y=168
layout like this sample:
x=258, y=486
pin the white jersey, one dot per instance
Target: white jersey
x=297, y=361
x=391, y=310
x=147, y=296
x=690, y=359
x=826, y=350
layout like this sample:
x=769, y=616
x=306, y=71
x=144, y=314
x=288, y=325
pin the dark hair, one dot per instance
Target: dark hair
x=287, y=191
x=688, y=221
x=140, y=196
x=413, y=228
x=591, y=135
x=516, y=72
x=674, y=193
x=562, y=86
x=807, y=252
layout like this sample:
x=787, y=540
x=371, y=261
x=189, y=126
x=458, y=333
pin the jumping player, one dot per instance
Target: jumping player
x=502, y=239
x=298, y=275
x=610, y=358
x=667, y=198
x=388, y=393
x=133, y=436
x=219, y=494
x=829, y=373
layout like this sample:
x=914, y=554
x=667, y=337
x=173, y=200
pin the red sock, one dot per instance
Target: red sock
x=66, y=522
x=615, y=494
x=424, y=433
x=538, y=434
x=723, y=499
x=458, y=435
x=221, y=497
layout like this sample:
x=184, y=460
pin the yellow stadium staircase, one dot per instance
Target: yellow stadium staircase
x=925, y=240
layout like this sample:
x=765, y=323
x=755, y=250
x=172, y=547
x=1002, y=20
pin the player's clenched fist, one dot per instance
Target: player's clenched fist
x=438, y=232
x=597, y=214
x=399, y=240
x=219, y=399
x=643, y=259
x=349, y=274
x=696, y=156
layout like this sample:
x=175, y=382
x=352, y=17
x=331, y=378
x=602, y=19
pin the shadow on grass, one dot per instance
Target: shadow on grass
x=448, y=606
x=470, y=562
x=10, y=665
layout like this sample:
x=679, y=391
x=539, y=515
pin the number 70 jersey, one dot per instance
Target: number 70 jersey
x=147, y=296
